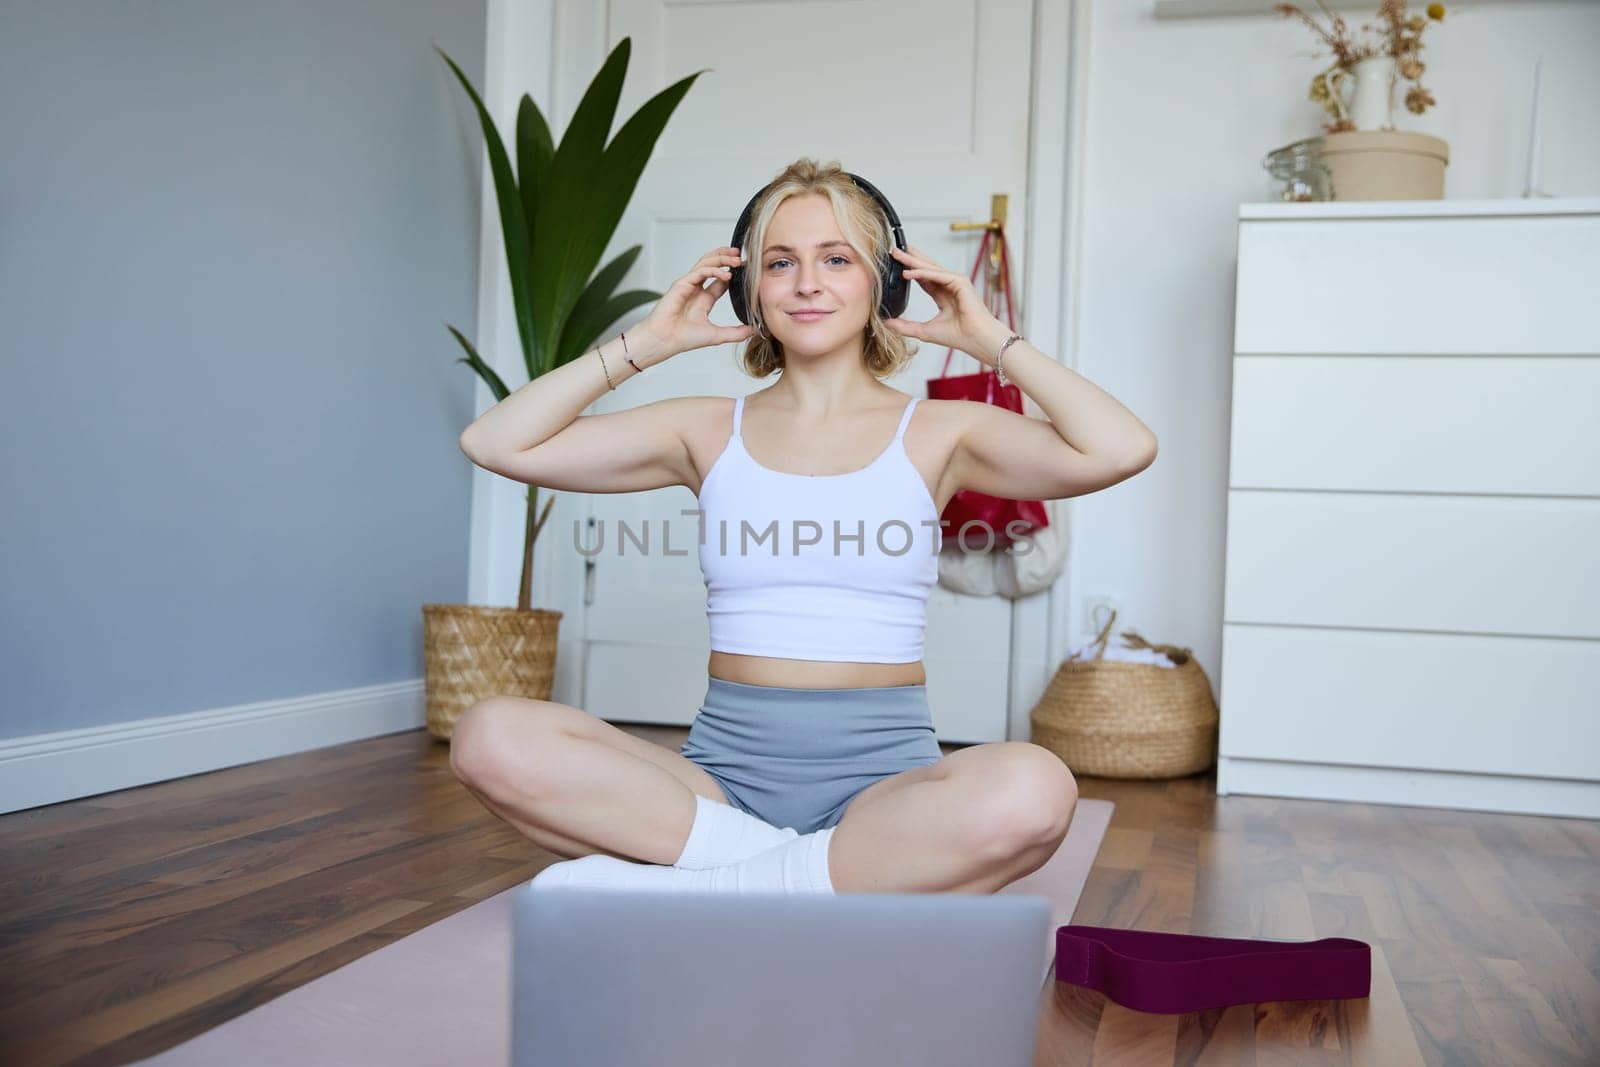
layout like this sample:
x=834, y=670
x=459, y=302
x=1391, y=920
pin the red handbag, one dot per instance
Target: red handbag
x=977, y=521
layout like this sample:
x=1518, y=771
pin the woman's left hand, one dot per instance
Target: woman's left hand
x=963, y=321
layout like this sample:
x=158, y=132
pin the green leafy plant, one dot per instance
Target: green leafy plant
x=557, y=213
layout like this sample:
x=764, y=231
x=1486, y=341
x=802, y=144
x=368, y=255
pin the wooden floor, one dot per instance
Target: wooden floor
x=134, y=920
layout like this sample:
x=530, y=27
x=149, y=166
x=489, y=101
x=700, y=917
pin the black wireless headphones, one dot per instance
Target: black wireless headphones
x=896, y=290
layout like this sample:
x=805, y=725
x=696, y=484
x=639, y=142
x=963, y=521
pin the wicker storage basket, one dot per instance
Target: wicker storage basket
x=1112, y=719
x=471, y=651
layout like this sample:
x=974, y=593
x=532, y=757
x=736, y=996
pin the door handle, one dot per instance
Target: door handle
x=997, y=223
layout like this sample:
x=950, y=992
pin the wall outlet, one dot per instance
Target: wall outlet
x=1097, y=609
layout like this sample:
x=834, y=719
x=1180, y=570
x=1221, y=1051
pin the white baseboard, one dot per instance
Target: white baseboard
x=1565, y=797
x=49, y=768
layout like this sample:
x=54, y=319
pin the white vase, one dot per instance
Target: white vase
x=1372, y=103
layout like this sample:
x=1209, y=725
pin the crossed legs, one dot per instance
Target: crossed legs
x=574, y=784
x=977, y=820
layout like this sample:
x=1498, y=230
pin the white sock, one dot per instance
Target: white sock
x=796, y=866
x=723, y=834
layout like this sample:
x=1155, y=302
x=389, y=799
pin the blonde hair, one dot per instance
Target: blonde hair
x=864, y=225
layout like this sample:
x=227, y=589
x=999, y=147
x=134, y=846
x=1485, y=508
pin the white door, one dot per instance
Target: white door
x=928, y=100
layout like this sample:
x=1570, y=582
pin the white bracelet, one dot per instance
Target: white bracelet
x=998, y=365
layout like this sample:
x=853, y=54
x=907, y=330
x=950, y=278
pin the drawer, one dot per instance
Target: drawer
x=1466, y=703
x=1512, y=285
x=1490, y=424
x=1459, y=564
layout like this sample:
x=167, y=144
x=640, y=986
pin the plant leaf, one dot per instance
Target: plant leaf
x=534, y=153
x=608, y=277
x=568, y=207
x=513, y=224
x=612, y=185
x=582, y=331
x=486, y=372
x=599, y=289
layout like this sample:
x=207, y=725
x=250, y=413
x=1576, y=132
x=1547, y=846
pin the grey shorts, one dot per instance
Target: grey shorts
x=798, y=757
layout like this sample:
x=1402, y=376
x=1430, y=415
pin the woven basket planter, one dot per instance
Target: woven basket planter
x=471, y=652
x=1112, y=719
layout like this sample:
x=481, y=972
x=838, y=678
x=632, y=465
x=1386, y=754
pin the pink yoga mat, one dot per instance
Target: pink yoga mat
x=443, y=994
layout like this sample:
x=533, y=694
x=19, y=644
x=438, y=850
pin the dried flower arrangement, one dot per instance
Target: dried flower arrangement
x=1399, y=36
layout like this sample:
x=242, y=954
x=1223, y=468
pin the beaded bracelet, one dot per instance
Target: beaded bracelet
x=629, y=358
x=998, y=365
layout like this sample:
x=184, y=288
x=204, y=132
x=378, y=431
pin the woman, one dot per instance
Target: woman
x=812, y=766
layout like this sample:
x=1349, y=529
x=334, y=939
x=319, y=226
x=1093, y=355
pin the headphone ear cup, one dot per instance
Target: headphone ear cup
x=736, y=294
x=736, y=276
x=896, y=291
x=896, y=288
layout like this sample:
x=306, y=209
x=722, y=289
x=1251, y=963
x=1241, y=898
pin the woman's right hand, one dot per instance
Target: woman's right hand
x=679, y=320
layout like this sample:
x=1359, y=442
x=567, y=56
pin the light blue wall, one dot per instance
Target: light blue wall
x=230, y=234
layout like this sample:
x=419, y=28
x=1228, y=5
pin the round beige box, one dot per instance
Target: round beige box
x=1385, y=165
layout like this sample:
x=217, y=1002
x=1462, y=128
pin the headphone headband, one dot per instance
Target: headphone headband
x=896, y=290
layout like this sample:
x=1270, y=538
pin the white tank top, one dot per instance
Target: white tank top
x=818, y=566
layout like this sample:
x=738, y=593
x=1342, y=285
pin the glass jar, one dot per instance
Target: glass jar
x=1299, y=166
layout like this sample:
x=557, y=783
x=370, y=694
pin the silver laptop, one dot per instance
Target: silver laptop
x=605, y=977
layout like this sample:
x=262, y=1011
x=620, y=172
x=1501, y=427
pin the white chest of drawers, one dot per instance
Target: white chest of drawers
x=1412, y=586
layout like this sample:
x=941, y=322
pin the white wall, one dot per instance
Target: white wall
x=1180, y=112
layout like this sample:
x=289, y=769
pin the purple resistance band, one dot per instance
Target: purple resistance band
x=1162, y=972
